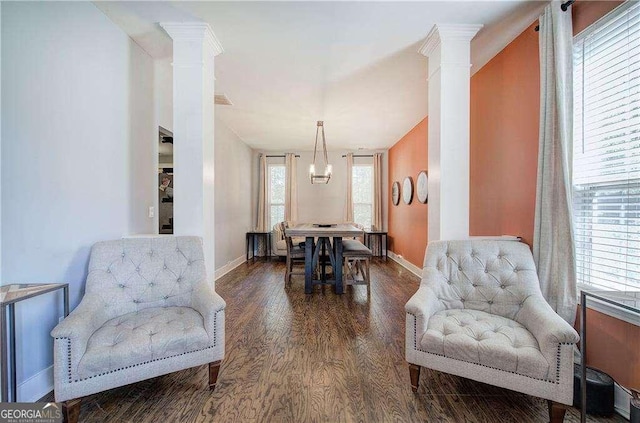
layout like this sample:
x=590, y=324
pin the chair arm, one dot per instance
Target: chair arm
x=79, y=325
x=423, y=304
x=208, y=303
x=546, y=326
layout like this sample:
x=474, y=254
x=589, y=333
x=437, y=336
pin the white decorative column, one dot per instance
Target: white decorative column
x=448, y=49
x=194, y=49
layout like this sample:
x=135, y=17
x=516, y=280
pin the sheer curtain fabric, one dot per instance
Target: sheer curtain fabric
x=291, y=188
x=348, y=205
x=553, y=240
x=376, y=221
x=263, y=197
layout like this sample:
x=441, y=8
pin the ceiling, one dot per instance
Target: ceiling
x=354, y=65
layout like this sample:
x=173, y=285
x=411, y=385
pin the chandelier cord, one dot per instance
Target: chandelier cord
x=324, y=148
x=315, y=147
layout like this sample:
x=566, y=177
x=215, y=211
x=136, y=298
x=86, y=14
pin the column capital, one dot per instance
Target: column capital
x=448, y=32
x=193, y=31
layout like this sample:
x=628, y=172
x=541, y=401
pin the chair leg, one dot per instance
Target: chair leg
x=287, y=275
x=214, y=369
x=556, y=411
x=414, y=374
x=71, y=410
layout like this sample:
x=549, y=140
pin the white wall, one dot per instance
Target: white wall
x=77, y=164
x=320, y=203
x=232, y=195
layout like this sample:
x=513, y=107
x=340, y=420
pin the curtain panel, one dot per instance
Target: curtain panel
x=348, y=205
x=376, y=220
x=291, y=188
x=263, y=208
x=553, y=240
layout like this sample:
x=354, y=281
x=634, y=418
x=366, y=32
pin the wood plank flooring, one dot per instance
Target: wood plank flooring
x=317, y=358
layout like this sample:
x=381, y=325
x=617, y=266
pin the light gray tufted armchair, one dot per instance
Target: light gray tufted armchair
x=479, y=314
x=148, y=310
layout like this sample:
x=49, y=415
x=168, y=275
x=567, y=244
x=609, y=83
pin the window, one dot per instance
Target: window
x=606, y=157
x=276, y=193
x=362, y=182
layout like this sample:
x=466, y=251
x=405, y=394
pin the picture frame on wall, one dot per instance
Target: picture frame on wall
x=422, y=187
x=407, y=190
x=395, y=193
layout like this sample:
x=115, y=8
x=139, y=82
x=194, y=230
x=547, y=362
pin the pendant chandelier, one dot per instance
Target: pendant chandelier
x=320, y=178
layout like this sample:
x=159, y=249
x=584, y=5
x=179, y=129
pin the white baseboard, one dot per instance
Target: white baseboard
x=229, y=267
x=37, y=386
x=406, y=264
x=621, y=401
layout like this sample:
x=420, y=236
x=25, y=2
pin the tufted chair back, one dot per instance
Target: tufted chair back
x=496, y=277
x=129, y=275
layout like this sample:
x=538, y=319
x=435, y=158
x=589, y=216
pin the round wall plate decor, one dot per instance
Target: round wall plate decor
x=395, y=193
x=407, y=190
x=422, y=188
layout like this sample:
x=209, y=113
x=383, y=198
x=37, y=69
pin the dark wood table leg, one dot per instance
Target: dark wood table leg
x=247, y=239
x=308, y=265
x=337, y=270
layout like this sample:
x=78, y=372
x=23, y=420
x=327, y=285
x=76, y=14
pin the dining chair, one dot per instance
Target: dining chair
x=295, y=256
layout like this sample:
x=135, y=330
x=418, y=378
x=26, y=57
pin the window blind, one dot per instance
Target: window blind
x=606, y=155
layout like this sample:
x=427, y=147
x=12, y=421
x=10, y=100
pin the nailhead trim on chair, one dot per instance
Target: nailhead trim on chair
x=68, y=340
x=557, y=381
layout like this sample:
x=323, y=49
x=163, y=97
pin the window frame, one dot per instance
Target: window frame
x=370, y=203
x=582, y=190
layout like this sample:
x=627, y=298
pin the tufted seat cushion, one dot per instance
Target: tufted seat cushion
x=143, y=336
x=487, y=339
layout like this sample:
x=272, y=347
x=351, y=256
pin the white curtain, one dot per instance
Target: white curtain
x=348, y=206
x=291, y=188
x=263, y=212
x=376, y=221
x=553, y=241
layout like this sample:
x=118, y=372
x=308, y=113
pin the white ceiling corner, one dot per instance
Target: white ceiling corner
x=354, y=65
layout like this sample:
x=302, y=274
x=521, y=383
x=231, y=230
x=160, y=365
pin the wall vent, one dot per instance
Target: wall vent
x=222, y=100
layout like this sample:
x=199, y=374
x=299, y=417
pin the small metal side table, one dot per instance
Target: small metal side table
x=9, y=296
x=629, y=301
x=251, y=240
x=380, y=235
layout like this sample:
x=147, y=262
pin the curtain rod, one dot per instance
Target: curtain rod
x=279, y=155
x=359, y=155
x=564, y=6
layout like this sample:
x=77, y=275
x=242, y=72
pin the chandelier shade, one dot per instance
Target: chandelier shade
x=323, y=177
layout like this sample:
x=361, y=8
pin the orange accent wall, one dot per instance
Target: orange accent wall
x=504, y=141
x=407, y=225
x=505, y=107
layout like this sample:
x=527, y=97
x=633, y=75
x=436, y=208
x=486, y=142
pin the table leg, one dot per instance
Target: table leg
x=308, y=265
x=12, y=355
x=268, y=245
x=386, y=246
x=247, y=239
x=4, y=388
x=583, y=361
x=337, y=269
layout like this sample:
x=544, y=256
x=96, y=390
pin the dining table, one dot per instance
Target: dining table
x=329, y=242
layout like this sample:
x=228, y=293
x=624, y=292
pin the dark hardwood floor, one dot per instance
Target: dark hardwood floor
x=318, y=358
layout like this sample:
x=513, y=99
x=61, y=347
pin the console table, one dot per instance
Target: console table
x=629, y=301
x=9, y=296
x=379, y=235
x=251, y=240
